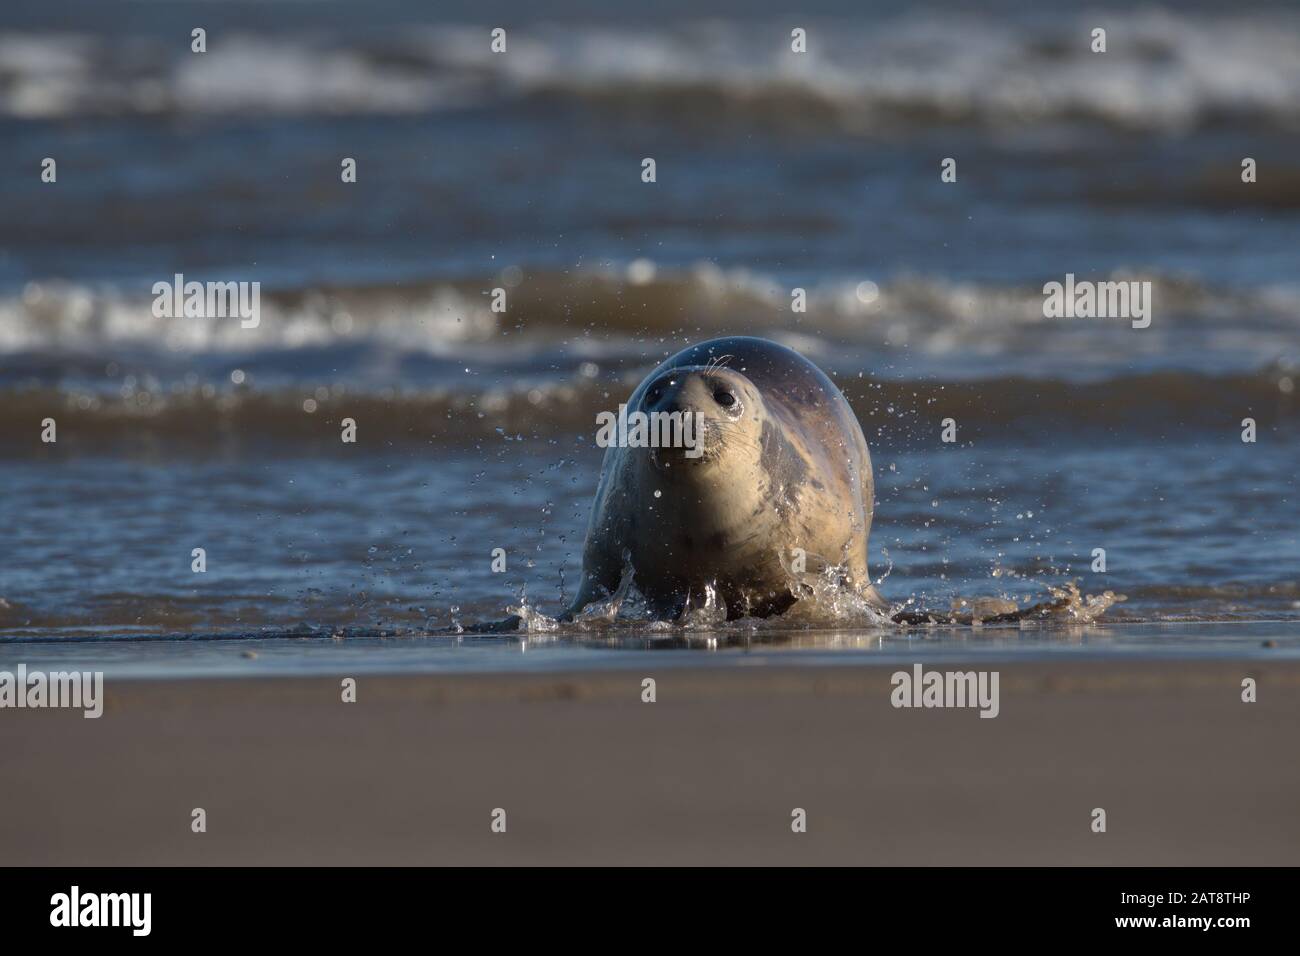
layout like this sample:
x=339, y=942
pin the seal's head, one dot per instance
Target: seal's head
x=720, y=411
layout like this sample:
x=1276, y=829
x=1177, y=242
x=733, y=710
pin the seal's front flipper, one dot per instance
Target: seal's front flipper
x=1043, y=609
x=925, y=617
x=993, y=612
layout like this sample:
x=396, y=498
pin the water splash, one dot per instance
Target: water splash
x=532, y=620
x=825, y=597
x=607, y=612
x=706, y=612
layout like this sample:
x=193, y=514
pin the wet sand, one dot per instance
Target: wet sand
x=708, y=774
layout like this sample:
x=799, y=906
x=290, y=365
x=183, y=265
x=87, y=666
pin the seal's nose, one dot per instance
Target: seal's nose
x=681, y=392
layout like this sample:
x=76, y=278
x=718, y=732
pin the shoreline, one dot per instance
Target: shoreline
x=709, y=773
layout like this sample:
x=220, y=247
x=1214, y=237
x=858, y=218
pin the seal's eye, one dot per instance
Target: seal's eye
x=724, y=398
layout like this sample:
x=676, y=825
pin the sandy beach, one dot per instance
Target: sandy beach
x=709, y=773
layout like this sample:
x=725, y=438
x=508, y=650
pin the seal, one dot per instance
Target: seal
x=780, y=483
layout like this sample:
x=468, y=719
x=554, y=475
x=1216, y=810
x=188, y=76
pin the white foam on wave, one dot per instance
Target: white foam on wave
x=943, y=319
x=71, y=317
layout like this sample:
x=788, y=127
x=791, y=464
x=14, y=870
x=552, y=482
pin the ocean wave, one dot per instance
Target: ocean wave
x=1164, y=69
x=628, y=312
